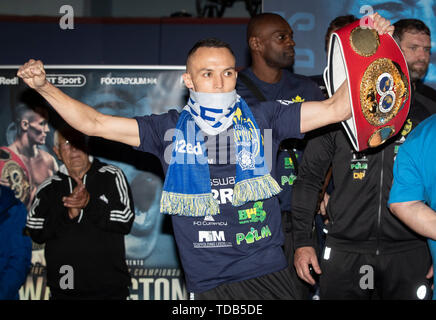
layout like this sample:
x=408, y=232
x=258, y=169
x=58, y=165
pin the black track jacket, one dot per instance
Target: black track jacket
x=91, y=245
x=360, y=220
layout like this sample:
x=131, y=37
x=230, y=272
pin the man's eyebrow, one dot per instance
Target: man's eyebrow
x=207, y=69
x=283, y=31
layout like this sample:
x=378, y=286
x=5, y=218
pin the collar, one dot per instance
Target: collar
x=63, y=169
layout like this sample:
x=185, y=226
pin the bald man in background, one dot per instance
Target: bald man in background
x=270, y=39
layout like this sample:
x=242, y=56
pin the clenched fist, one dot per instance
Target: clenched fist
x=33, y=74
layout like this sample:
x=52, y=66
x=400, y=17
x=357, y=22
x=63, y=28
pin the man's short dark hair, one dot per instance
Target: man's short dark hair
x=209, y=43
x=337, y=23
x=409, y=25
x=27, y=112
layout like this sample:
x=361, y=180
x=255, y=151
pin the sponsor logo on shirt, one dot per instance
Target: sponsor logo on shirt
x=289, y=164
x=253, y=235
x=183, y=147
x=211, y=239
x=221, y=194
x=297, y=99
x=293, y=100
x=285, y=102
x=104, y=199
x=255, y=214
x=209, y=221
x=288, y=179
x=359, y=175
x=358, y=165
x=407, y=128
x=222, y=181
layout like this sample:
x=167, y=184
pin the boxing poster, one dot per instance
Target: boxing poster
x=128, y=91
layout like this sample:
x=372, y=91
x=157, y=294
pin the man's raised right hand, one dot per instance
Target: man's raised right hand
x=33, y=74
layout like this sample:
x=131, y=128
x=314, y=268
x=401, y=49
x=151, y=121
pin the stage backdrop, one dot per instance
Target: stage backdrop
x=124, y=91
x=309, y=20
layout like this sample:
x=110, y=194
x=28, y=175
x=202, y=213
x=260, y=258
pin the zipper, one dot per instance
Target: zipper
x=377, y=252
x=81, y=210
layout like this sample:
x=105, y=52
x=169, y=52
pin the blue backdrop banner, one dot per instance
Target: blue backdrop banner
x=309, y=20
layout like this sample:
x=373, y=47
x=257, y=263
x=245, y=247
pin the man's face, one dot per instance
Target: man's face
x=211, y=70
x=71, y=154
x=416, y=48
x=394, y=10
x=276, y=43
x=37, y=129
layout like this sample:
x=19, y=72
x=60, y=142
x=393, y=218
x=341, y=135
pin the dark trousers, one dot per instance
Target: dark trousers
x=399, y=276
x=273, y=286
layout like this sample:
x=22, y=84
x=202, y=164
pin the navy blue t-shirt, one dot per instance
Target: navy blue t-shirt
x=241, y=242
x=290, y=89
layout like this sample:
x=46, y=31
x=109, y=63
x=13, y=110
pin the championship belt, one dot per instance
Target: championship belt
x=13, y=169
x=378, y=82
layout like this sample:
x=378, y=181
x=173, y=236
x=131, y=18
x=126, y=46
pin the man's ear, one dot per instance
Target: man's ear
x=24, y=125
x=254, y=43
x=188, y=81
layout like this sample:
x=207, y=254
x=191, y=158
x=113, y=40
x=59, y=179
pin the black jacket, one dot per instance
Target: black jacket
x=360, y=220
x=91, y=244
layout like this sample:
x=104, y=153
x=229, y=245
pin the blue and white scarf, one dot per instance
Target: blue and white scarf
x=187, y=190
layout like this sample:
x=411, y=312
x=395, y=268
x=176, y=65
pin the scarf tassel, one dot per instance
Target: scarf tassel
x=193, y=205
x=255, y=189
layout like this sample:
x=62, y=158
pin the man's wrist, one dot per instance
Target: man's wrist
x=73, y=213
x=45, y=88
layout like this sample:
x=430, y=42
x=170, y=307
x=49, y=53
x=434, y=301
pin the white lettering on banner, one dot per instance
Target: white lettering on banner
x=157, y=289
x=8, y=81
x=34, y=289
x=127, y=80
x=156, y=272
x=66, y=80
